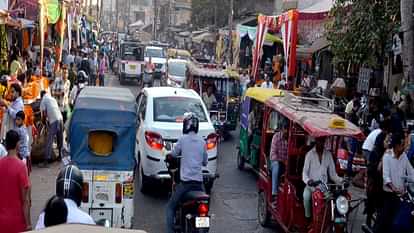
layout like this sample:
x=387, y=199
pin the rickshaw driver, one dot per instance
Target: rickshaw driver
x=318, y=165
x=209, y=98
x=192, y=148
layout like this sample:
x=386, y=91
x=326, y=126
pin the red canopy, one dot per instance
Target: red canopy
x=316, y=124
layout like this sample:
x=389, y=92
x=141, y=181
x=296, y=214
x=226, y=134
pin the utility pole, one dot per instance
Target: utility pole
x=117, y=16
x=155, y=5
x=408, y=43
x=230, y=54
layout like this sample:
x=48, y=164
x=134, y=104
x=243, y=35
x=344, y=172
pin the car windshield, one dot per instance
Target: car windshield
x=131, y=53
x=154, y=52
x=177, y=68
x=172, y=109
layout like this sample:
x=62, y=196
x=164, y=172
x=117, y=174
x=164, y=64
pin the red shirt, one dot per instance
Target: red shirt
x=13, y=177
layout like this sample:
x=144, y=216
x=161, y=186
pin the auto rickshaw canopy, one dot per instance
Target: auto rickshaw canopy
x=316, y=123
x=263, y=94
x=211, y=71
x=102, y=133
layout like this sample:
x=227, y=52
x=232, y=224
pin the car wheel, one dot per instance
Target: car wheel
x=143, y=179
x=240, y=160
x=262, y=210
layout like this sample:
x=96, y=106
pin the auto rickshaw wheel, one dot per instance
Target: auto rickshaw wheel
x=262, y=211
x=240, y=160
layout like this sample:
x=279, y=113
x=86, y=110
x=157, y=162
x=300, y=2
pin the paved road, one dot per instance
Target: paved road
x=234, y=197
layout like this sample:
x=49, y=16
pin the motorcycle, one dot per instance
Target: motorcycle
x=334, y=198
x=192, y=214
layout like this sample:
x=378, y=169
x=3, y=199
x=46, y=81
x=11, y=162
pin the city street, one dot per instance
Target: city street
x=234, y=197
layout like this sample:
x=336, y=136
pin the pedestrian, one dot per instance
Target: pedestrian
x=350, y=106
x=61, y=91
x=244, y=81
x=84, y=63
x=267, y=83
x=72, y=74
x=93, y=68
x=11, y=108
x=51, y=114
x=15, y=193
x=396, y=96
x=49, y=65
x=24, y=147
x=101, y=69
x=70, y=58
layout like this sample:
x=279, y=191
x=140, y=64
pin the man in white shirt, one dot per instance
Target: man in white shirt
x=396, y=168
x=266, y=83
x=319, y=166
x=209, y=98
x=50, y=112
x=351, y=104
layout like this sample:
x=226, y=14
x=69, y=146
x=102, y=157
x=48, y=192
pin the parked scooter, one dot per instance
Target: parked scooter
x=192, y=214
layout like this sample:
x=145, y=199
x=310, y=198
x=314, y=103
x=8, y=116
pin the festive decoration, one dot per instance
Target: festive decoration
x=60, y=31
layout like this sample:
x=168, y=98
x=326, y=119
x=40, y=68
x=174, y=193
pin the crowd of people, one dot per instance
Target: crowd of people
x=66, y=79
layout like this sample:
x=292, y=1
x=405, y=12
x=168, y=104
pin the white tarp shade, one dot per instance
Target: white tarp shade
x=317, y=7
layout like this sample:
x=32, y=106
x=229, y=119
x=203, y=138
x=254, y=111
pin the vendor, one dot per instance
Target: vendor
x=209, y=98
x=13, y=107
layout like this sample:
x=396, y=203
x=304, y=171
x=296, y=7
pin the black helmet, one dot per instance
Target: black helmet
x=190, y=123
x=69, y=184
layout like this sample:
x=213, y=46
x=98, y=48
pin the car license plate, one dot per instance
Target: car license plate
x=132, y=67
x=202, y=222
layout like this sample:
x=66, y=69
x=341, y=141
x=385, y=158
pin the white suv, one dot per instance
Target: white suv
x=161, y=111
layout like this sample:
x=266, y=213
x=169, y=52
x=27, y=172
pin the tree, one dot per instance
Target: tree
x=359, y=31
x=408, y=44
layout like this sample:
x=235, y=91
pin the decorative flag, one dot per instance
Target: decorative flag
x=53, y=11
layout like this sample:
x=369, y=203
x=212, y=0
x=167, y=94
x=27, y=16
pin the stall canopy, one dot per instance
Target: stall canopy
x=287, y=24
x=251, y=33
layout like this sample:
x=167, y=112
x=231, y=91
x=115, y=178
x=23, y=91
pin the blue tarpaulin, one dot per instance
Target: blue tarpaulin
x=107, y=109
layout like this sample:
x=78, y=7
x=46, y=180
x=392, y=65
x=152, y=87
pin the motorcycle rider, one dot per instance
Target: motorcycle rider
x=192, y=149
x=81, y=82
x=69, y=186
x=395, y=166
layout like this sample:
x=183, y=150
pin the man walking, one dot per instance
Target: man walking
x=60, y=91
x=53, y=117
x=101, y=69
x=15, y=194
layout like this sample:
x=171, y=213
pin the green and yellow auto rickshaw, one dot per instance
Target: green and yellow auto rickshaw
x=226, y=89
x=251, y=120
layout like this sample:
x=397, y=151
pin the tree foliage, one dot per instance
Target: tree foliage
x=360, y=29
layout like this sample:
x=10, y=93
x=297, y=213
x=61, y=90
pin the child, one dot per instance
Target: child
x=24, y=148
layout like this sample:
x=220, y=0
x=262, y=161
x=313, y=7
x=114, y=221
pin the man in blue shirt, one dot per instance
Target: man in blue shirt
x=192, y=149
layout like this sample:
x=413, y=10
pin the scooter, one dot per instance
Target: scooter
x=192, y=214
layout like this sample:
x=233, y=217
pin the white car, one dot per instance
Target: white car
x=161, y=112
x=176, y=72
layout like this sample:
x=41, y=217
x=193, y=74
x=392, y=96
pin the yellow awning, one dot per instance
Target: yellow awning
x=262, y=94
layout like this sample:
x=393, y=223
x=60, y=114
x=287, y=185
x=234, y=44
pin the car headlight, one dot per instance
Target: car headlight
x=342, y=205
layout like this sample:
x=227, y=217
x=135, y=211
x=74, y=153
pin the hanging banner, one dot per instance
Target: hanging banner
x=42, y=26
x=70, y=22
x=60, y=30
x=53, y=11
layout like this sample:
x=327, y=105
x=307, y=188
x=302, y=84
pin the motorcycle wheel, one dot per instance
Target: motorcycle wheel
x=263, y=213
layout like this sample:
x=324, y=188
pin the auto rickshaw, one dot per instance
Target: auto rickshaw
x=251, y=107
x=226, y=88
x=307, y=118
x=102, y=142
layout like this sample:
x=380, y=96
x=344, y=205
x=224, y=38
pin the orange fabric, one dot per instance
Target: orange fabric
x=28, y=111
x=26, y=39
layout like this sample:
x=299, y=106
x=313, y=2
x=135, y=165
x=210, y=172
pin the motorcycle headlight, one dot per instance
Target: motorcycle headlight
x=342, y=205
